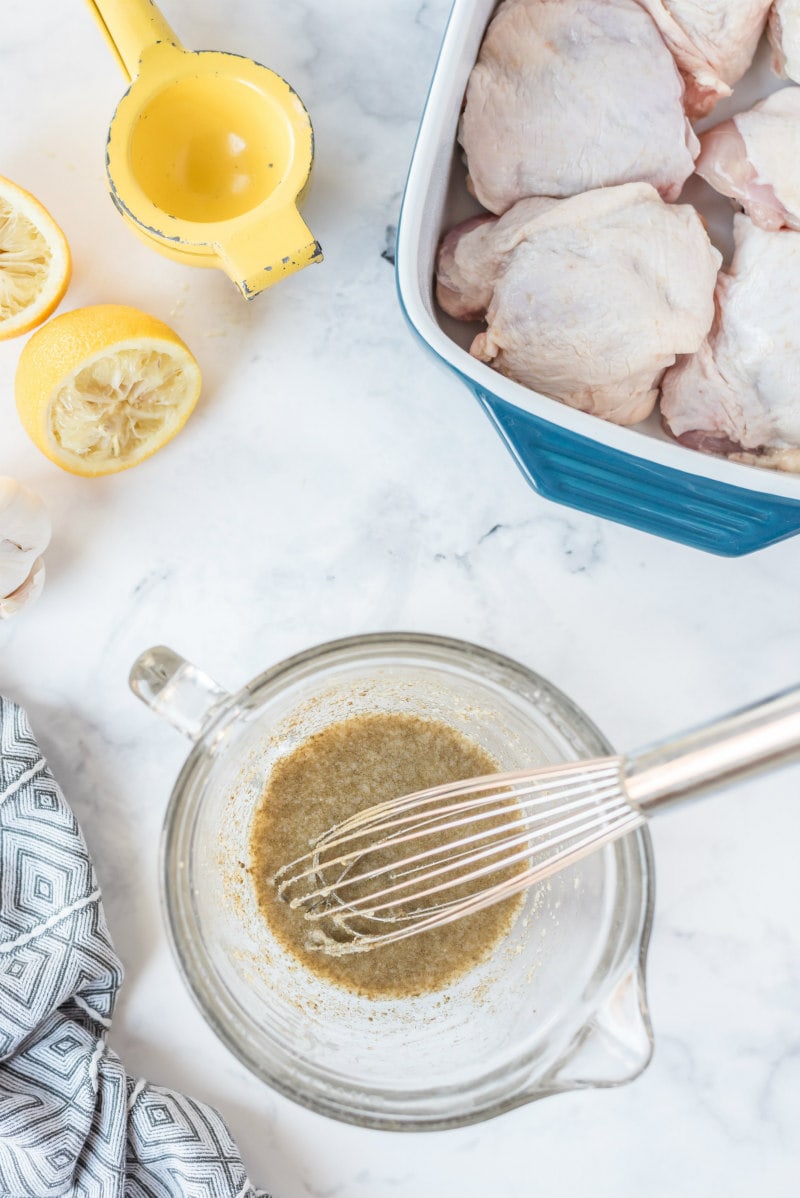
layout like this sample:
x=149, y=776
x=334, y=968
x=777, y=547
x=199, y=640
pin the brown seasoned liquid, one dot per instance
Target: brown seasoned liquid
x=341, y=770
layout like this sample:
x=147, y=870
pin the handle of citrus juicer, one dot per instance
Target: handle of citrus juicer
x=176, y=690
x=261, y=252
x=129, y=27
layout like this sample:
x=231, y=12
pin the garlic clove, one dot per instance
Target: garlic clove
x=31, y=589
x=24, y=535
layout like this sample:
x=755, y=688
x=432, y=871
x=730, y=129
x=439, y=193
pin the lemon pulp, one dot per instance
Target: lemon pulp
x=25, y=259
x=114, y=406
x=100, y=389
x=34, y=261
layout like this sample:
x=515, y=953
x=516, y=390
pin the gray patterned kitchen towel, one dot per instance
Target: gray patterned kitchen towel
x=71, y=1121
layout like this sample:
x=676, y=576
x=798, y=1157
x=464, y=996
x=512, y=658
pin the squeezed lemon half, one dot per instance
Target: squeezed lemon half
x=100, y=389
x=35, y=263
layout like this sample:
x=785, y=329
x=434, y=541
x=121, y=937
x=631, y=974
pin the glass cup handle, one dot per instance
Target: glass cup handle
x=176, y=690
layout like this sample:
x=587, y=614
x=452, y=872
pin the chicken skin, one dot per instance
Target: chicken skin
x=738, y=395
x=784, y=35
x=755, y=159
x=713, y=42
x=571, y=95
x=587, y=299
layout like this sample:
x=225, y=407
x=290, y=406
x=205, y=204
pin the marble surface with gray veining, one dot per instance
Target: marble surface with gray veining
x=334, y=480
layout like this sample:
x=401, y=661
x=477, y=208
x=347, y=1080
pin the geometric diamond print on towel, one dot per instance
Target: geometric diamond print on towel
x=158, y=1115
x=64, y=1045
x=72, y=1124
x=42, y=886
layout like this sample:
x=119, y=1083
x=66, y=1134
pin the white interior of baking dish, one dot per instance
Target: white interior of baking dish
x=436, y=198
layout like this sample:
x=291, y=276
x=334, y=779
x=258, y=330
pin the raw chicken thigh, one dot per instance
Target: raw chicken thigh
x=586, y=299
x=738, y=395
x=755, y=159
x=784, y=34
x=713, y=42
x=569, y=95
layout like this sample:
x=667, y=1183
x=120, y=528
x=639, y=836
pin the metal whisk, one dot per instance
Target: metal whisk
x=417, y=862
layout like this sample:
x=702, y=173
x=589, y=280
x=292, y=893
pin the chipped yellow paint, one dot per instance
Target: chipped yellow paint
x=208, y=153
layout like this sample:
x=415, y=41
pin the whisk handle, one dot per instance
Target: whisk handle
x=756, y=738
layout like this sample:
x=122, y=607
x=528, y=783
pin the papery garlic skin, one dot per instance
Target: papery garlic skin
x=31, y=589
x=24, y=535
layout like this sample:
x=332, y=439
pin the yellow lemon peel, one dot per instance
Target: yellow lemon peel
x=100, y=389
x=35, y=263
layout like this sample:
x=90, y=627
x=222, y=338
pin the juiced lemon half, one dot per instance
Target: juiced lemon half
x=100, y=389
x=35, y=263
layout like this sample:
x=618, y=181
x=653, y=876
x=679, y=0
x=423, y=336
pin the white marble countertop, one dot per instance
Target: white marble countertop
x=334, y=481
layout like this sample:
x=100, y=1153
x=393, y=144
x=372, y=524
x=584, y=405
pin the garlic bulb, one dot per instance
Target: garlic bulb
x=24, y=535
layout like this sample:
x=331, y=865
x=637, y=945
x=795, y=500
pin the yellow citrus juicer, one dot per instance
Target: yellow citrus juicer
x=208, y=153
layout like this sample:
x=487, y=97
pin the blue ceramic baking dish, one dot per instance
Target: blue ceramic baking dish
x=636, y=476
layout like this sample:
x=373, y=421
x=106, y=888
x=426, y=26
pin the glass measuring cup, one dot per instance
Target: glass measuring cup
x=208, y=153
x=560, y=1003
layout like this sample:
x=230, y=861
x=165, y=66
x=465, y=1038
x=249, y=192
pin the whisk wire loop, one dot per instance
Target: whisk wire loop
x=344, y=936
x=444, y=861
x=514, y=788
x=362, y=886
x=425, y=859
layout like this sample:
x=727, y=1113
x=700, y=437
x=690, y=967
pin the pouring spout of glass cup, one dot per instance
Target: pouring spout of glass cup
x=208, y=153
